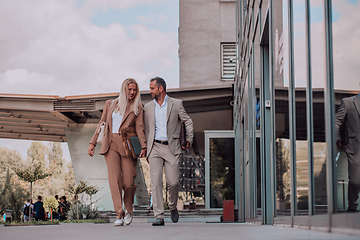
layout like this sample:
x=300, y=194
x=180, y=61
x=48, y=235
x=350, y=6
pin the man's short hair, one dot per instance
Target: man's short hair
x=63, y=198
x=39, y=197
x=159, y=82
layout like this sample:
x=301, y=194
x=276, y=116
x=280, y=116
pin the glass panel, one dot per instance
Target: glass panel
x=282, y=111
x=283, y=176
x=318, y=83
x=222, y=171
x=300, y=75
x=320, y=177
x=346, y=58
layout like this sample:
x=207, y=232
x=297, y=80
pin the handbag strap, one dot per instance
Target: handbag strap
x=101, y=125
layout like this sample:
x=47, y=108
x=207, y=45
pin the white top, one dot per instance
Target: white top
x=116, y=121
x=160, y=120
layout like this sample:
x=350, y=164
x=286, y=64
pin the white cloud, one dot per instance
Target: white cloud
x=153, y=18
x=90, y=5
x=346, y=49
x=50, y=47
x=33, y=82
x=346, y=35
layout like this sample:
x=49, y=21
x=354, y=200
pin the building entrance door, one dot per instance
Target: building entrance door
x=219, y=168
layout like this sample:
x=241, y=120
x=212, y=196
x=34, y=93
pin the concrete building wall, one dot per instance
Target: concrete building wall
x=204, y=25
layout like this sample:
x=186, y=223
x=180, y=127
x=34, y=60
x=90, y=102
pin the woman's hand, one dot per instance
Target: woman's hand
x=91, y=150
x=142, y=153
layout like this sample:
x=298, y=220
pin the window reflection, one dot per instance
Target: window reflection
x=222, y=171
x=346, y=57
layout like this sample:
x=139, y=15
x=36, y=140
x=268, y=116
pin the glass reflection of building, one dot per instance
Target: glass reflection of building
x=222, y=171
x=286, y=90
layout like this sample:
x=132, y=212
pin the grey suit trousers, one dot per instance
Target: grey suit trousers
x=159, y=158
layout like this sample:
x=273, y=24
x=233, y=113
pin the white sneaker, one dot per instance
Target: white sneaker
x=119, y=222
x=128, y=218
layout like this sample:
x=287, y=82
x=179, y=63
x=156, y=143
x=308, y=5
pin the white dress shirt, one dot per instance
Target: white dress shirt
x=116, y=121
x=160, y=120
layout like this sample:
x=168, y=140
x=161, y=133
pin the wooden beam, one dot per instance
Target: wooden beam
x=25, y=130
x=31, y=124
x=33, y=137
x=63, y=117
x=37, y=121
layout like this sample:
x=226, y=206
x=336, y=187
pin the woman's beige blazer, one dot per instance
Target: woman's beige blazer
x=129, y=120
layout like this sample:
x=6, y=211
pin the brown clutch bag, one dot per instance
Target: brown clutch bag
x=131, y=142
x=183, y=135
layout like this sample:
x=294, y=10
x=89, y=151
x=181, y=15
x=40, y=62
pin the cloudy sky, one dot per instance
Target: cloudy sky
x=346, y=47
x=74, y=47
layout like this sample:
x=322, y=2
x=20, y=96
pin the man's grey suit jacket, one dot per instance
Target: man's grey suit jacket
x=176, y=114
x=349, y=113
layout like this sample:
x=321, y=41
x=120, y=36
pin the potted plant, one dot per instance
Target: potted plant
x=180, y=203
x=228, y=205
x=85, y=211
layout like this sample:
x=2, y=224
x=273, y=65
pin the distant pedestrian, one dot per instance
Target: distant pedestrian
x=39, y=210
x=64, y=207
x=56, y=214
x=27, y=210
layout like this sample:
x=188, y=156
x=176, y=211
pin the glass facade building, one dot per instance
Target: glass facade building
x=288, y=84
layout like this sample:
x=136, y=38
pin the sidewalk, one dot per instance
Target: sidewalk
x=181, y=230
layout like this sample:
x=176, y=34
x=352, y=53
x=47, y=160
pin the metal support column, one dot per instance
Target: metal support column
x=272, y=109
x=267, y=199
x=253, y=133
x=329, y=113
x=250, y=137
x=309, y=111
x=292, y=113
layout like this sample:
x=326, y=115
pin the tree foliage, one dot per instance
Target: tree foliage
x=44, y=167
x=12, y=196
x=91, y=190
x=12, y=192
x=50, y=158
x=31, y=172
x=83, y=187
x=51, y=204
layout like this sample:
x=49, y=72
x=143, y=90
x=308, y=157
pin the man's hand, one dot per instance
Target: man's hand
x=142, y=153
x=91, y=150
x=187, y=145
x=339, y=143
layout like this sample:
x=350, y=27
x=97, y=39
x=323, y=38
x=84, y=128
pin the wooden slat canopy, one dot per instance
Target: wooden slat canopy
x=44, y=117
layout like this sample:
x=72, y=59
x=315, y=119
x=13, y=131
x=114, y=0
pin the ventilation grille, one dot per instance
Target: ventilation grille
x=66, y=105
x=228, y=51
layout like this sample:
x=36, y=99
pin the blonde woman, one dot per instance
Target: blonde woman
x=126, y=111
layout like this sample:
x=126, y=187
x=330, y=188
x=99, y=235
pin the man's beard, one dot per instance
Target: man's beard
x=156, y=97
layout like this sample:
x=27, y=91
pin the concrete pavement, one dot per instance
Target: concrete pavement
x=181, y=230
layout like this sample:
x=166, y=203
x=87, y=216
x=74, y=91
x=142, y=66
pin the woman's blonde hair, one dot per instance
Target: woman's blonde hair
x=122, y=102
